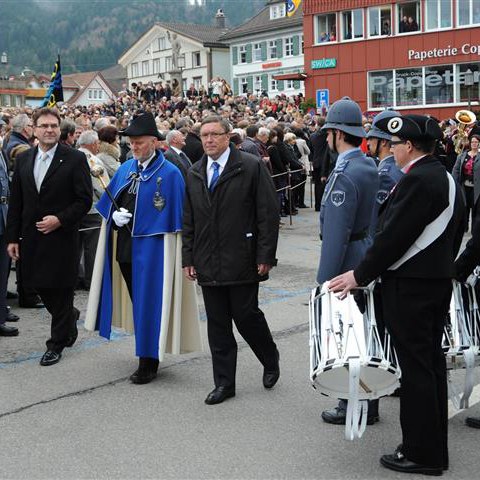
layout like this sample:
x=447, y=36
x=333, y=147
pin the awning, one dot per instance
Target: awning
x=291, y=76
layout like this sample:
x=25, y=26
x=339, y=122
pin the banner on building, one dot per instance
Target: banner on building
x=55, y=91
x=292, y=6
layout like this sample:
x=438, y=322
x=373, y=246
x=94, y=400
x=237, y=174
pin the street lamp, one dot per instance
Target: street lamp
x=469, y=84
x=4, y=61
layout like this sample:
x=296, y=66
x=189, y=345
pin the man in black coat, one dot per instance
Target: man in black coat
x=176, y=141
x=51, y=191
x=193, y=148
x=230, y=233
x=320, y=162
x=418, y=236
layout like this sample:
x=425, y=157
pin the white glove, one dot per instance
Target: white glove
x=121, y=217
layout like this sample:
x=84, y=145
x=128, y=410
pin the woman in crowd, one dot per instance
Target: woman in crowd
x=467, y=173
x=109, y=152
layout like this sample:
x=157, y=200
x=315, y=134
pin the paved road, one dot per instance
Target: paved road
x=83, y=419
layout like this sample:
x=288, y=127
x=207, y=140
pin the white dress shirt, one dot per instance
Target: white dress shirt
x=40, y=166
x=221, y=160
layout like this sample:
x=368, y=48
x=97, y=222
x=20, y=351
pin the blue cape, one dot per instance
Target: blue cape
x=160, y=178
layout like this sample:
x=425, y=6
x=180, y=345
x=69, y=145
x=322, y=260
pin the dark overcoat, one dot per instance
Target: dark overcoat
x=49, y=260
x=228, y=232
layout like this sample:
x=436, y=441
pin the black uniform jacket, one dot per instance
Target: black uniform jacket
x=49, y=260
x=228, y=232
x=418, y=199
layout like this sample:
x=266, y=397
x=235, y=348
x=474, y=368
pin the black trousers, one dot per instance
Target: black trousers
x=319, y=187
x=414, y=312
x=4, y=272
x=240, y=303
x=59, y=303
x=90, y=225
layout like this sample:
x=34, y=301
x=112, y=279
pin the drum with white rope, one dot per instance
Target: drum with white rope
x=348, y=359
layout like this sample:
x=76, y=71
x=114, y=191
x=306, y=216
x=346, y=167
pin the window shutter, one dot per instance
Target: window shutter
x=265, y=82
x=235, y=55
x=249, y=52
x=250, y=83
x=296, y=44
x=279, y=48
x=296, y=84
x=235, y=86
x=281, y=85
x=264, y=51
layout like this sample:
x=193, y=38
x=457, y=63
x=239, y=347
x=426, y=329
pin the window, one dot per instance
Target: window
x=288, y=84
x=184, y=84
x=168, y=64
x=196, y=59
x=288, y=46
x=242, y=50
x=197, y=82
x=409, y=86
x=94, y=94
x=257, y=52
x=89, y=94
x=408, y=15
x=302, y=45
x=380, y=89
x=257, y=83
x=100, y=94
x=277, y=11
x=145, y=67
x=156, y=65
x=352, y=24
x=272, y=49
x=273, y=84
x=379, y=21
x=468, y=12
x=438, y=13
x=244, y=85
x=439, y=84
x=134, y=69
x=465, y=92
x=326, y=28
x=161, y=43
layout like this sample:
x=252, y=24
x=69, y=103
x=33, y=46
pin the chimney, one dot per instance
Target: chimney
x=220, y=19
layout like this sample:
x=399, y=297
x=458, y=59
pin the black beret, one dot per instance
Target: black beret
x=411, y=127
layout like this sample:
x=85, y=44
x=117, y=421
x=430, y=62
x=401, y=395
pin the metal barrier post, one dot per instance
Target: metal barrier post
x=290, y=196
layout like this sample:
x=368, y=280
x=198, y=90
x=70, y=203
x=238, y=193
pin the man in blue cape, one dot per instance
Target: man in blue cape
x=141, y=238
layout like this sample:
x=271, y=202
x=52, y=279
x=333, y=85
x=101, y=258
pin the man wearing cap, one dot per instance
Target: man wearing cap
x=346, y=208
x=418, y=236
x=142, y=240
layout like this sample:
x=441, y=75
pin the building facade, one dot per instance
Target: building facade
x=87, y=88
x=267, y=52
x=12, y=93
x=202, y=55
x=418, y=56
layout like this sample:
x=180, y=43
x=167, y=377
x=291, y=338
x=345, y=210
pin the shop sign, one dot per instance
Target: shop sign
x=465, y=49
x=324, y=63
x=271, y=65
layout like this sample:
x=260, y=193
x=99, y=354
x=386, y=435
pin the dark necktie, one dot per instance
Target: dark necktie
x=215, y=176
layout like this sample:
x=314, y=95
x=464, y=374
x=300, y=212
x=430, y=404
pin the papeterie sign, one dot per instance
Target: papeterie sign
x=465, y=49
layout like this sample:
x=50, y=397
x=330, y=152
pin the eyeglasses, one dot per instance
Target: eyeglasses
x=212, y=134
x=45, y=126
x=397, y=142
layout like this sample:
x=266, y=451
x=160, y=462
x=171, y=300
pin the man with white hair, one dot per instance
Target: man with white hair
x=20, y=136
x=89, y=144
x=176, y=141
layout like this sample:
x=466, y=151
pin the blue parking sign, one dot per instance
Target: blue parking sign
x=323, y=98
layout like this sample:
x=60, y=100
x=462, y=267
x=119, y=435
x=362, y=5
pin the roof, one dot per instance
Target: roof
x=208, y=35
x=261, y=22
x=80, y=81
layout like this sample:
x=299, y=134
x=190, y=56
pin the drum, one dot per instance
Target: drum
x=461, y=341
x=348, y=359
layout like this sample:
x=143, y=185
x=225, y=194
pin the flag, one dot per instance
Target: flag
x=292, y=6
x=55, y=91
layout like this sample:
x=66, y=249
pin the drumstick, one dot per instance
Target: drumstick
x=97, y=172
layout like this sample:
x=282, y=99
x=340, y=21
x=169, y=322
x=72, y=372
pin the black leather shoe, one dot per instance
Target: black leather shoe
x=219, y=394
x=11, y=317
x=400, y=463
x=146, y=372
x=74, y=336
x=473, y=422
x=338, y=416
x=50, y=358
x=270, y=377
x=7, y=331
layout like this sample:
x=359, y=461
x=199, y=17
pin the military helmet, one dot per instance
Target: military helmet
x=375, y=132
x=345, y=115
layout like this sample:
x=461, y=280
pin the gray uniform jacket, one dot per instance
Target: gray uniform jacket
x=457, y=173
x=346, y=213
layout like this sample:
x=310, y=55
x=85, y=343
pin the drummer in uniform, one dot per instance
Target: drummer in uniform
x=346, y=208
x=418, y=236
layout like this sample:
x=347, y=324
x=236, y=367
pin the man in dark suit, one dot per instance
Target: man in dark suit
x=176, y=141
x=51, y=191
x=230, y=233
x=193, y=145
x=418, y=236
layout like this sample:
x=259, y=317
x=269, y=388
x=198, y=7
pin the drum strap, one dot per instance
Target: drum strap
x=357, y=410
x=433, y=230
x=460, y=399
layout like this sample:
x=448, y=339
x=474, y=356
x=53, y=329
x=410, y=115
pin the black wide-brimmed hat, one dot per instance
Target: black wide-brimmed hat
x=142, y=125
x=411, y=127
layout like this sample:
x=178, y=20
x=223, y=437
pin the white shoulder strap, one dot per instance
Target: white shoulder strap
x=433, y=230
